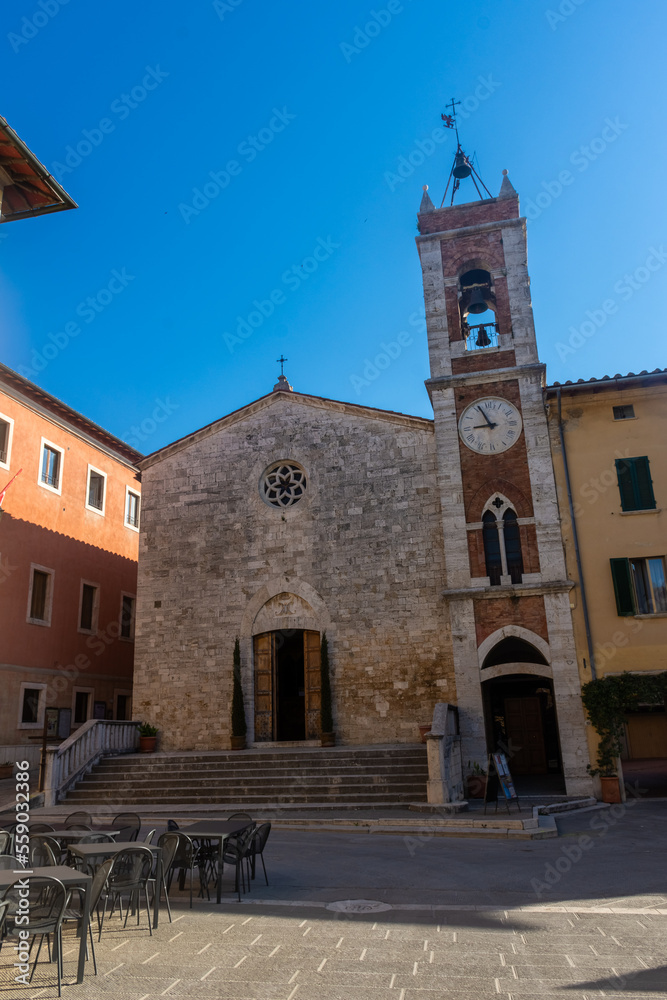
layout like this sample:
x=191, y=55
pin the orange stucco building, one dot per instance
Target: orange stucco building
x=68, y=566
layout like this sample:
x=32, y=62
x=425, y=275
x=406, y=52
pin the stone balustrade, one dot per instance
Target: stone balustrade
x=66, y=764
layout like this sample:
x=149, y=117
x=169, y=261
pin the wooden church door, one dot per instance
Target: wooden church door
x=269, y=654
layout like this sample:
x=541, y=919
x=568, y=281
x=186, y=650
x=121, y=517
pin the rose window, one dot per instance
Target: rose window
x=283, y=484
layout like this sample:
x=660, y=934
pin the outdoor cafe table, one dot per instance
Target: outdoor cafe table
x=216, y=829
x=71, y=879
x=65, y=833
x=87, y=852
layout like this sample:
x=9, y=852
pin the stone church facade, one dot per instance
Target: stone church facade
x=429, y=551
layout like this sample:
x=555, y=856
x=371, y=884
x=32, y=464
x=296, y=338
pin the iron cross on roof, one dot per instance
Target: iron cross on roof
x=281, y=361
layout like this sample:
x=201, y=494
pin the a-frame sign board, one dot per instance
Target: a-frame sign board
x=499, y=780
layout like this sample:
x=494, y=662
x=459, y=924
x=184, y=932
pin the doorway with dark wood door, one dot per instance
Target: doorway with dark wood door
x=287, y=685
x=521, y=719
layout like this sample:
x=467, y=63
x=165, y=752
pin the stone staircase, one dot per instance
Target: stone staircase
x=342, y=777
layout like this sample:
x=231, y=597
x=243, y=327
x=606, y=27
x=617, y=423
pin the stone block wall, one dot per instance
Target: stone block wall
x=363, y=551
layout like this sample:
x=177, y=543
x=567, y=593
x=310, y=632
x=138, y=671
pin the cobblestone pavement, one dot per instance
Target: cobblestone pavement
x=595, y=933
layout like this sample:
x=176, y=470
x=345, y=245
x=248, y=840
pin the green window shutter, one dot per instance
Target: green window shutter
x=634, y=483
x=625, y=483
x=644, y=485
x=623, y=589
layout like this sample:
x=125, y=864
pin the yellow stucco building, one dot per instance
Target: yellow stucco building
x=609, y=450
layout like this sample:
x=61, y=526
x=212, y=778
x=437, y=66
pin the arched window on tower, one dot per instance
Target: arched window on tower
x=492, y=556
x=477, y=303
x=502, y=542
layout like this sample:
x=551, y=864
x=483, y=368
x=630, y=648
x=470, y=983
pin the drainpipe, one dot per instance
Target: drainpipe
x=575, y=538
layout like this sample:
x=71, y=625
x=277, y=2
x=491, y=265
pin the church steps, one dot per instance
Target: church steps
x=252, y=781
x=342, y=776
x=222, y=773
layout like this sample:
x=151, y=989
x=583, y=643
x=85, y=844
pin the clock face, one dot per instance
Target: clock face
x=490, y=425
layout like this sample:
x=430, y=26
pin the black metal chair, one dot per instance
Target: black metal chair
x=74, y=819
x=259, y=839
x=241, y=816
x=129, y=873
x=168, y=842
x=46, y=900
x=41, y=853
x=41, y=828
x=237, y=850
x=129, y=825
x=5, y=841
x=9, y=863
x=98, y=886
x=188, y=858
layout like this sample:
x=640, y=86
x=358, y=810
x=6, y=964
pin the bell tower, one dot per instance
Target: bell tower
x=506, y=592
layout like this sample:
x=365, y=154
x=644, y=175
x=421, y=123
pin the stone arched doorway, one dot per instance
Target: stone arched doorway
x=520, y=708
x=287, y=685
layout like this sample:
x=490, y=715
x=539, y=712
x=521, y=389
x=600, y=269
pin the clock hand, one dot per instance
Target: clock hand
x=483, y=427
x=485, y=417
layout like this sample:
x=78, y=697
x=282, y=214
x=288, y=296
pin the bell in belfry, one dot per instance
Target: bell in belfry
x=477, y=302
x=461, y=167
x=483, y=339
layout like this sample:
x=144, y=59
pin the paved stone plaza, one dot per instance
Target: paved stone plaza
x=461, y=918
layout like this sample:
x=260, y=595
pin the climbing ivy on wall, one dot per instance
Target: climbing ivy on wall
x=608, y=700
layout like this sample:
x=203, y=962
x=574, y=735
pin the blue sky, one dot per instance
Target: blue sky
x=237, y=163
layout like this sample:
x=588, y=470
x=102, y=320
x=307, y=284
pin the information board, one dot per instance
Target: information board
x=504, y=776
x=499, y=778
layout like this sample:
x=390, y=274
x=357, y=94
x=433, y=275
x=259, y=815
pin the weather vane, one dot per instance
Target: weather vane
x=281, y=361
x=462, y=166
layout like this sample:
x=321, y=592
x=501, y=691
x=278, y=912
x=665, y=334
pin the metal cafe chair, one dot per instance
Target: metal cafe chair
x=129, y=825
x=168, y=842
x=188, y=858
x=240, y=816
x=47, y=902
x=5, y=841
x=8, y=863
x=41, y=828
x=98, y=886
x=129, y=873
x=237, y=850
x=75, y=818
x=42, y=854
x=259, y=839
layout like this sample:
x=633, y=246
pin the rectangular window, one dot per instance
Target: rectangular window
x=81, y=701
x=30, y=707
x=96, y=491
x=32, y=700
x=640, y=586
x=132, y=509
x=624, y=412
x=51, y=467
x=127, y=617
x=6, y=427
x=634, y=483
x=88, y=616
x=39, y=603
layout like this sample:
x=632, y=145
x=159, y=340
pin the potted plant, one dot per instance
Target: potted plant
x=6, y=769
x=239, y=726
x=147, y=737
x=327, y=735
x=606, y=770
x=475, y=781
